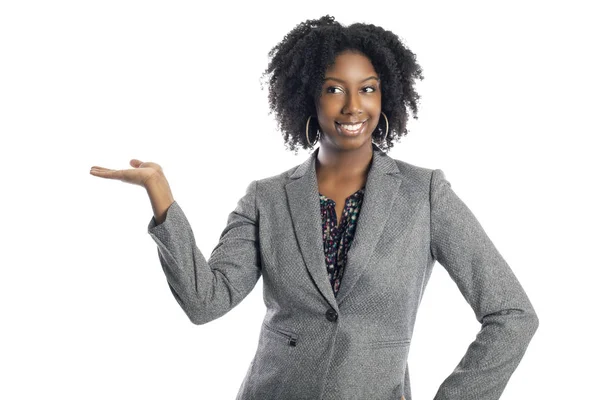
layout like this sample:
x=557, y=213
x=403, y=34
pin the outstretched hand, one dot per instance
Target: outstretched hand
x=141, y=174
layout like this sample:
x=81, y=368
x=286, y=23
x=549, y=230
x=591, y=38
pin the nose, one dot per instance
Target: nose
x=352, y=105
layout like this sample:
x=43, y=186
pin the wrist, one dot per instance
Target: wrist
x=156, y=181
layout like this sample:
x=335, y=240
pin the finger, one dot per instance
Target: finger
x=99, y=171
x=106, y=173
x=135, y=163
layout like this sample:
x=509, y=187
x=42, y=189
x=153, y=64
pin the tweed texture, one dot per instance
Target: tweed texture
x=353, y=346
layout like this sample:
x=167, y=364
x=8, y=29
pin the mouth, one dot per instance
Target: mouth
x=351, y=129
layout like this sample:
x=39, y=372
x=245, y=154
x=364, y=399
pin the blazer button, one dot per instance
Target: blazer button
x=331, y=315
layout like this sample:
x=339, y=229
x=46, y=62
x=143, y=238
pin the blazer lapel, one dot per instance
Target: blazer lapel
x=382, y=188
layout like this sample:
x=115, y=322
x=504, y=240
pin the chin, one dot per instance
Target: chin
x=347, y=143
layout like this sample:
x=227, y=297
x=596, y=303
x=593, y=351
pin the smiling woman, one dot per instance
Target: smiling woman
x=346, y=241
x=350, y=104
x=322, y=66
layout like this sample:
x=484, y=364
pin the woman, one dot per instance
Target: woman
x=345, y=242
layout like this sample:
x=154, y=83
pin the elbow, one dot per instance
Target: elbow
x=528, y=323
x=533, y=322
x=520, y=323
x=190, y=308
x=196, y=321
x=201, y=315
x=196, y=317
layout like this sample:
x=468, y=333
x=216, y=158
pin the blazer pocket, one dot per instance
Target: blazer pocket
x=379, y=368
x=289, y=337
x=388, y=343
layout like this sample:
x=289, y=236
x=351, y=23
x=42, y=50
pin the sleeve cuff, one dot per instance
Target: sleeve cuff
x=173, y=209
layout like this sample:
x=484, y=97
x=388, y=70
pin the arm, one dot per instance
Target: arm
x=208, y=290
x=508, y=320
x=159, y=192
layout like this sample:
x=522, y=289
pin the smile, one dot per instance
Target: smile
x=350, y=129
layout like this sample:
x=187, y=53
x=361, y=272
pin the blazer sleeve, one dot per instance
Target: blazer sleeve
x=206, y=290
x=508, y=320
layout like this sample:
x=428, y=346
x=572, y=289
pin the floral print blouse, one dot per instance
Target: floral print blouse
x=337, y=240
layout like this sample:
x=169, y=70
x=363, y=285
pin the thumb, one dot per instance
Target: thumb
x=135, y=163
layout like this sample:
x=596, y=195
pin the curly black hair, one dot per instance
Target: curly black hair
x=297, y=68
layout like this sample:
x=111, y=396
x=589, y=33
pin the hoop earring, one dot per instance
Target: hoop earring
x=318, y=133
x=387, y=126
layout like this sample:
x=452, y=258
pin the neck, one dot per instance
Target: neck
x=343, y=164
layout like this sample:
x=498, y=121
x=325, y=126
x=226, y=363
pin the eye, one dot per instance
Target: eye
x=372, y=88
x=331, y=88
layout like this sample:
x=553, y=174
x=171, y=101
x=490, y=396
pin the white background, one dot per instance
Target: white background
x=508, y=112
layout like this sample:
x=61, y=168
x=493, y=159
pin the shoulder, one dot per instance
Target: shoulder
x=417, y=177
x=412, y=171
x=277, y=179
x=274, y=184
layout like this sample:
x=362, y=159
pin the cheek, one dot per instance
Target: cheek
x=373, y=107
x=327, y=110
x=374, y=102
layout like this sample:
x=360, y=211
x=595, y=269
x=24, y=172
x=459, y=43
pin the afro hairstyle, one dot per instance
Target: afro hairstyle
x=297, y=66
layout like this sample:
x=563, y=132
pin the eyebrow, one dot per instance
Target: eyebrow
x=342, y=81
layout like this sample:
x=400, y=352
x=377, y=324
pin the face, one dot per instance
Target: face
x=350, y=93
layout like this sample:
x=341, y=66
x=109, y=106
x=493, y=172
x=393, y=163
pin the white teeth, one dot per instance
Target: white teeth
x=352, y=127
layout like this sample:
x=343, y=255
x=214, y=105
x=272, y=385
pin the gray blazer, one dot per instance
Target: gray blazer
x=313, y=345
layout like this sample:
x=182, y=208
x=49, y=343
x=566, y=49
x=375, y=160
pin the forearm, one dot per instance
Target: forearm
x=493, y=356
x=207, y=289
x=161, y=198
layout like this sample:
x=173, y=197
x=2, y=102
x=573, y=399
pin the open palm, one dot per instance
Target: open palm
x=141, y=174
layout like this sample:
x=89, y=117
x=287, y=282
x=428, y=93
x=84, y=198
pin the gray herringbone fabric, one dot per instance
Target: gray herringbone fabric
x=313, y=345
